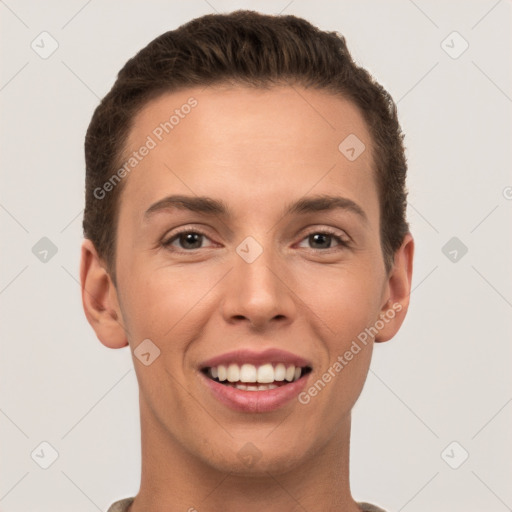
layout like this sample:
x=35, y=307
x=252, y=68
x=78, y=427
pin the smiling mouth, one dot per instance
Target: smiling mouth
x=249, y=377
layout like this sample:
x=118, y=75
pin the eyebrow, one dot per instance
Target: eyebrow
x=217, y=207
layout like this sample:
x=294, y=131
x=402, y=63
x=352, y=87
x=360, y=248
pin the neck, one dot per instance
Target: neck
x=173, y=479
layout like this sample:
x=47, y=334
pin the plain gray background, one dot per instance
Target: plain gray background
x=444, y=378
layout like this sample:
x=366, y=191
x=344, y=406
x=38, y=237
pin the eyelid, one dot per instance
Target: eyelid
x=328, y=230
x=167, y=240
x=344, y=240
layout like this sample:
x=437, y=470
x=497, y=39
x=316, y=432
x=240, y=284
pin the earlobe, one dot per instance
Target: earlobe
x=99, y=299
x=398, y=290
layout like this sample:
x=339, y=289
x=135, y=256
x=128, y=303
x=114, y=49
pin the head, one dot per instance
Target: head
x=256, y=51
x=269, y=117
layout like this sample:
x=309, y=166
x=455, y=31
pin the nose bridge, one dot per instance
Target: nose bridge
x=256, y=289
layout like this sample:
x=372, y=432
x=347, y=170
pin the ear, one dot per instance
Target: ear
x=99, y=299
x=397, y=291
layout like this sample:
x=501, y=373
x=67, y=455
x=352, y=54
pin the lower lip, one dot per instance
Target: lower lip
x=255, y=401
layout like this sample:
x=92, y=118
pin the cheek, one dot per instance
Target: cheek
x=349, y=307
x=346, y=300
x=165, y=303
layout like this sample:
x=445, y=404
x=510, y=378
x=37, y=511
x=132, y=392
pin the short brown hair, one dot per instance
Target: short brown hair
x=252, y=49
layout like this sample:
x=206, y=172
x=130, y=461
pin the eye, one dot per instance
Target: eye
x=188, y=240
x=322, y=239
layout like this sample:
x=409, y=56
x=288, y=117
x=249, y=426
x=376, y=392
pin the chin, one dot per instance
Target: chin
x=257, y=460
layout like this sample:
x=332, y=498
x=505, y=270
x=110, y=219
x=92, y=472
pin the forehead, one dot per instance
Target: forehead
x=234, y=141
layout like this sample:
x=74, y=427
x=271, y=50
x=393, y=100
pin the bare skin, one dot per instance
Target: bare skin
x=257, y=151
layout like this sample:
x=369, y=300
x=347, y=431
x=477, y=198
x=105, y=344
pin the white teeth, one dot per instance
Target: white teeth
x=290, y=373
x=260, y=387
x=279, y=372
x=233, y=373
x=266, y=374
x=249, y=373
x=222, y=372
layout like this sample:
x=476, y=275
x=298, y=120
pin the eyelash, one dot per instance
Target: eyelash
x=325, y=231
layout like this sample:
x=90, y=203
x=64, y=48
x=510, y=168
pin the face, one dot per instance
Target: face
x=261, y=277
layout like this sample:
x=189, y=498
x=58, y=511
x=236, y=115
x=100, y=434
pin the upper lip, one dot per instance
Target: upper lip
x=271, y=355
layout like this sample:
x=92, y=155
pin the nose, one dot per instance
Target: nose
x=259, y=292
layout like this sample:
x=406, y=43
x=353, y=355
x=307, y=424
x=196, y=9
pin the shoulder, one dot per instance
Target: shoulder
x=121, y=505
x=366, y=507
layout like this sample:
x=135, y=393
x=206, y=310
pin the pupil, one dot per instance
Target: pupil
x=191, y=238
x=314, y=237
